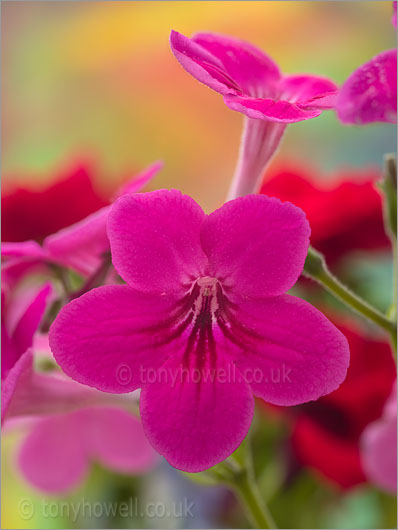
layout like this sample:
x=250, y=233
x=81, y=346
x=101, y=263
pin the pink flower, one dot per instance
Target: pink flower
x=252, y=83
x=22, y=308
x=370, y=93
x=203, y=323
x=394, y=14
x=23, y=391
x=81, y=246
x=379, y=447
x=56, y=454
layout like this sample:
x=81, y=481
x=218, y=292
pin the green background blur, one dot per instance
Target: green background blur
x=98, y=80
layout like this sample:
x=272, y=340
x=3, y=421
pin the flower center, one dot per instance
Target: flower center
x=205, y=305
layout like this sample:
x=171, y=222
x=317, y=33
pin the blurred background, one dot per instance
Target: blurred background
x=96, y=82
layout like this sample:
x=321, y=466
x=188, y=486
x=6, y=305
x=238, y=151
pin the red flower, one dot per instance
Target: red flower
x=345, y=214
x=326, y=433
x=39, y=212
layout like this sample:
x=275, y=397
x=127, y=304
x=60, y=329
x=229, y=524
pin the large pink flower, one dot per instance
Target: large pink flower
x=203, y=323
x=57, y=453
x=252, y=83
x=81, y=246
x=370, y=93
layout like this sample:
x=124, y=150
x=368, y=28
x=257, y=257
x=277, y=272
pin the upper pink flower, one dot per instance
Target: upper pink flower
x=82, y=245
x=57, y=453
x=250, y=81
x=379, y=447
x=203, y=323
x=370, y=93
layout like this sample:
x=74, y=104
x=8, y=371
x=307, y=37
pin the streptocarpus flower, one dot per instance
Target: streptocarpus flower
x=379, y=447
x=345, y=213
x=203, y=323
x=81, y=246
x=370, y=93
x=327, y=434
x=252, y=83
x=57, y=453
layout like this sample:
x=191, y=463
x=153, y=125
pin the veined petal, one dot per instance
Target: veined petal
x=370, y=93
x=108, y=337
x=287, y=350
x=256, y=245
x=279, y=111
x=155, y=241
x=196, y=417
x=254, y=72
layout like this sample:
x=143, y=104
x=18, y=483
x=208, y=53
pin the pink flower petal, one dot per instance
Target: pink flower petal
x=82, y=245
x=394, y=14
x=370, y=93
x=307, y=90
x=192, y=417
x=253, y=71
x=279, y=111
x=201, y=64
x=25, y=249
x=17, y=377
x=379, y=456
x=256, y=245
x=56, y=454
x=287, y=350
x=30, y=320
x=53, y=457
x=379, y=447
x=116, y=438
x=155, y=240
x=107, y=337
x=140, y=180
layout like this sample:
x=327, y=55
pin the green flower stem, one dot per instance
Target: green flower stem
x=241, y=478
x=247, y=491
x=389, y=189
x=316, y=268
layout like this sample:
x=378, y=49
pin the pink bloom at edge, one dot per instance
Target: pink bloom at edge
x=81, y=246
x=203, y=322
x=21, y=313
x=370, y=93
x=379, y=447
x=23, y=391
x=57, y=453
x=252, y=83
